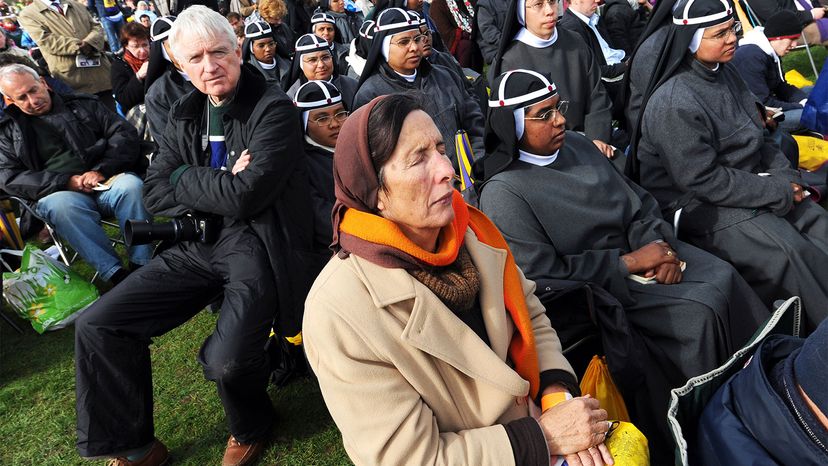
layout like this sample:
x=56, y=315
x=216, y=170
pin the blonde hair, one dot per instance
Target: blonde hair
x=272, y=11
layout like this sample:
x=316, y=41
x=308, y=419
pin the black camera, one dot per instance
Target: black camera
x=203, y=229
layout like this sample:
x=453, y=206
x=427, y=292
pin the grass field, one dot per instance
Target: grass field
x=37, y=414
x=37, y=403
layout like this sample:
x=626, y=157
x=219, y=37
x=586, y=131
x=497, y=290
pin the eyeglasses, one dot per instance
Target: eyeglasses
x=424, y=31
x=405, y=42
x=327, y=119
x=548, y=115
x=722, y=35
x=538, y=6
x=313, y=61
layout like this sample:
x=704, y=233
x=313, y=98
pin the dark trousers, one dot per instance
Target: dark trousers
x=112, y=358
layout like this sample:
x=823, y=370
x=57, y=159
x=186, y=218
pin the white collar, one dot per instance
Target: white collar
x=310, y=141
x=534, y=41
x=267, y=66
x=539, y=160
x=62, y=4
x=408, y=77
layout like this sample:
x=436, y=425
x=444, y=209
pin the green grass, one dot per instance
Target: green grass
x=37, y=402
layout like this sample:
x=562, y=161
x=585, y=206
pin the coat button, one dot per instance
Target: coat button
x=232, y=153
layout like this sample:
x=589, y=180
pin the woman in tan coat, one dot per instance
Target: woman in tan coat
x=429, y=344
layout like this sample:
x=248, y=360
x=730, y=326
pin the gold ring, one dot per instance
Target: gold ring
x=669, y=252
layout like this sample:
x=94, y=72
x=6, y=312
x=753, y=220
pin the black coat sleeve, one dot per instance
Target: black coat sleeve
x=489, y=28
x=127, y=88
x=122, y=144
x=275, y=149
x=18, y=180
x=618, y=20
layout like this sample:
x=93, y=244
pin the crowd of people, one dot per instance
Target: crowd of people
x=307, y=153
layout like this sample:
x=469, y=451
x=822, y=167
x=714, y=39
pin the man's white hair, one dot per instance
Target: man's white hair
x=200, y=24
x=15, y=69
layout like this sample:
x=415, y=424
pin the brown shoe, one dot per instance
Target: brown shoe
x=158, y=455
x=240, y=454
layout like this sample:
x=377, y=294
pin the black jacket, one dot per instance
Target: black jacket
x=127, y=88
x=489, y=18
x=101, y=138
x=445, y=99
x=622, y=24
x=760, y=72
x=576, y=25
x=160, y=97
x=271, y=195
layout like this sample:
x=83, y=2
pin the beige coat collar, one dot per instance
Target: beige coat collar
x=433, y=328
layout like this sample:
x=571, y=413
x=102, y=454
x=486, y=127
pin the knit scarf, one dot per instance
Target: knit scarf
x=381, y=241
x=457, y=285
x=132, y=61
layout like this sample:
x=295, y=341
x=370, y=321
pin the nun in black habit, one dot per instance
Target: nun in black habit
x=314, y=61
x=323, y=114
x=165, y=82
x=395, y=65
x=347, y=22
x=324, y=26
x=360, y=47
x=568, y=214
x=703, y=139
x=531, y=40
x=259, y=49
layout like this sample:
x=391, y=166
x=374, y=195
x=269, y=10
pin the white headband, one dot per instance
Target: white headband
x=696, y=41
x=549, y=89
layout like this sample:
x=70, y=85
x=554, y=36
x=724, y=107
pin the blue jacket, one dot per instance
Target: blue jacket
x=748, y=423
x=761, y=74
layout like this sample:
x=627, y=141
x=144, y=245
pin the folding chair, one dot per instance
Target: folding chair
x=11, y=237
x=66, y=254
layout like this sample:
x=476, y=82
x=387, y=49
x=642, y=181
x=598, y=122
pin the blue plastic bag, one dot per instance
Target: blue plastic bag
x=815, y=113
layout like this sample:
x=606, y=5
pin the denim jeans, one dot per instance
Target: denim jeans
x=112, y=30
x=77, y=216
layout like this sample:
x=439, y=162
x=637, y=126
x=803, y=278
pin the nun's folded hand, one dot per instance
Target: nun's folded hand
x=593, y=456
x=605, y=148
x=242, y=163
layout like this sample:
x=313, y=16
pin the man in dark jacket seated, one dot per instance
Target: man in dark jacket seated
x=582, y=18
x=230, y=154
x=70, y=154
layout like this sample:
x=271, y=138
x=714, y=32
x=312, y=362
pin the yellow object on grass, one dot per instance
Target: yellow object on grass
x=813, y=152
x=628, y=446
x=795, y=78
x=597, y=382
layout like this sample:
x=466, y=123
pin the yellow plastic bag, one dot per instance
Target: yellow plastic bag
x=813, y=152
x=597, y=381
x=628, y=445
x=795, y=78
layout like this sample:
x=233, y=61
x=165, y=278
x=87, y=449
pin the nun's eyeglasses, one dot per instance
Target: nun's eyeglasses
x=539, y=5
x=405, y=42
x=724, y=33
x=313, y=61
x=550, y=114
x=327, y=119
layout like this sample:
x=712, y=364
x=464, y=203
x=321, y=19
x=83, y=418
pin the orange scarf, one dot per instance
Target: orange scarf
x=375, y=229
x=133, y=62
